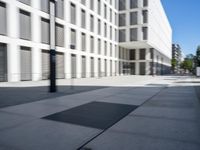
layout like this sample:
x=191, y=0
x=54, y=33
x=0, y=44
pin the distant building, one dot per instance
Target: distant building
x=177, y=55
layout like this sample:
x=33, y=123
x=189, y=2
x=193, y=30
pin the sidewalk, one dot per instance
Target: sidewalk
x=166, y=117
x=26, y=92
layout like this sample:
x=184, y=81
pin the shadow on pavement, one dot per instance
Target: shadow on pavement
x=10, y=96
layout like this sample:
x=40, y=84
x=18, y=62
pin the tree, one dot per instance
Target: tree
x=197, y=60
x=174, y=63
x=188, y=63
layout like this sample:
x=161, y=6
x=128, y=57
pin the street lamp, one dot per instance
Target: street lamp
x=52, y=59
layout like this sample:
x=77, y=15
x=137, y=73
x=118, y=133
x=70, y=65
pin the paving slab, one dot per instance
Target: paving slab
x=166, y=122
x=171, y=103
x=126, y=141
x=161, y=128
x=10, y=120
x=6, y=148
x=179, y=90
x=22, y=95
x=138, y=95
x=142, y=90
x=179, y=95
x=47, y=135
x=109, y=91
x=134, y=100
x=34, y=109
x=65, y=102
x=166, y=112
x=86, y=96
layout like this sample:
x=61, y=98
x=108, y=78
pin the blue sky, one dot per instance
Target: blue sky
x=184, y=17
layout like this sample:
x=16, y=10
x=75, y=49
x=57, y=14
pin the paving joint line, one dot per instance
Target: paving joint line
x=83, y=145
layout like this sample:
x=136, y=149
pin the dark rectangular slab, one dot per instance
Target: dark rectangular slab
x=98, y=115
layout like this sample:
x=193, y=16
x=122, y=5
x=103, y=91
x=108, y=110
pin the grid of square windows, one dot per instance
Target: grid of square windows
x=109, y=29
x=104, y=26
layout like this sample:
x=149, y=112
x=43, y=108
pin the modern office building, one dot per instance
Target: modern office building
x=178, y=56
x=93, y=38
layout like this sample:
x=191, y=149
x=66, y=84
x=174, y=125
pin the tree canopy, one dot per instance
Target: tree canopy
x=174, y=62
x=188, y=63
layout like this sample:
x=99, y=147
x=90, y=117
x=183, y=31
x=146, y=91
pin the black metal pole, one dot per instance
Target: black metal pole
x=52, y=59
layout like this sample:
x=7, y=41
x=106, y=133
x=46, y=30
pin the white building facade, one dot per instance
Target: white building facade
x=94, y=38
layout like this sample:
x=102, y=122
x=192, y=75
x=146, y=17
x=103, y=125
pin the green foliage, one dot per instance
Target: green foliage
x=174, y=62
x=187, y=64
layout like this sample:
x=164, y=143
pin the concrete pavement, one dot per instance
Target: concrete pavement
x=26, y=92
x=167, y=118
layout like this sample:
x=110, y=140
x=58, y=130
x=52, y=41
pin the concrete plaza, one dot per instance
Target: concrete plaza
x=167, y=117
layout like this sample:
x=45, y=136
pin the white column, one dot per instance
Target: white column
x=140, y=35
x=78, y=33
x=117, y=68
x=108, y=67
x=128, y=5
x=127, y=20
x=36, y=23
x=13, y=63
x=95, y=23
x=66, y=10
x=87, y=21
x=36, y=64
x=148, y=68
x=148, y=59
x=36, y=4
x=13, y=49
x=102, y=67
x=36, y=37
x=140, y=3
x=67, y=65
x=88, y=71
x=78, y=40
x=95, y=45
x=137, y=67
x=148, y=55
x=67, y=41
x=13, y=18
x=96, y=67
x=113, y=67
x=140, y=17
